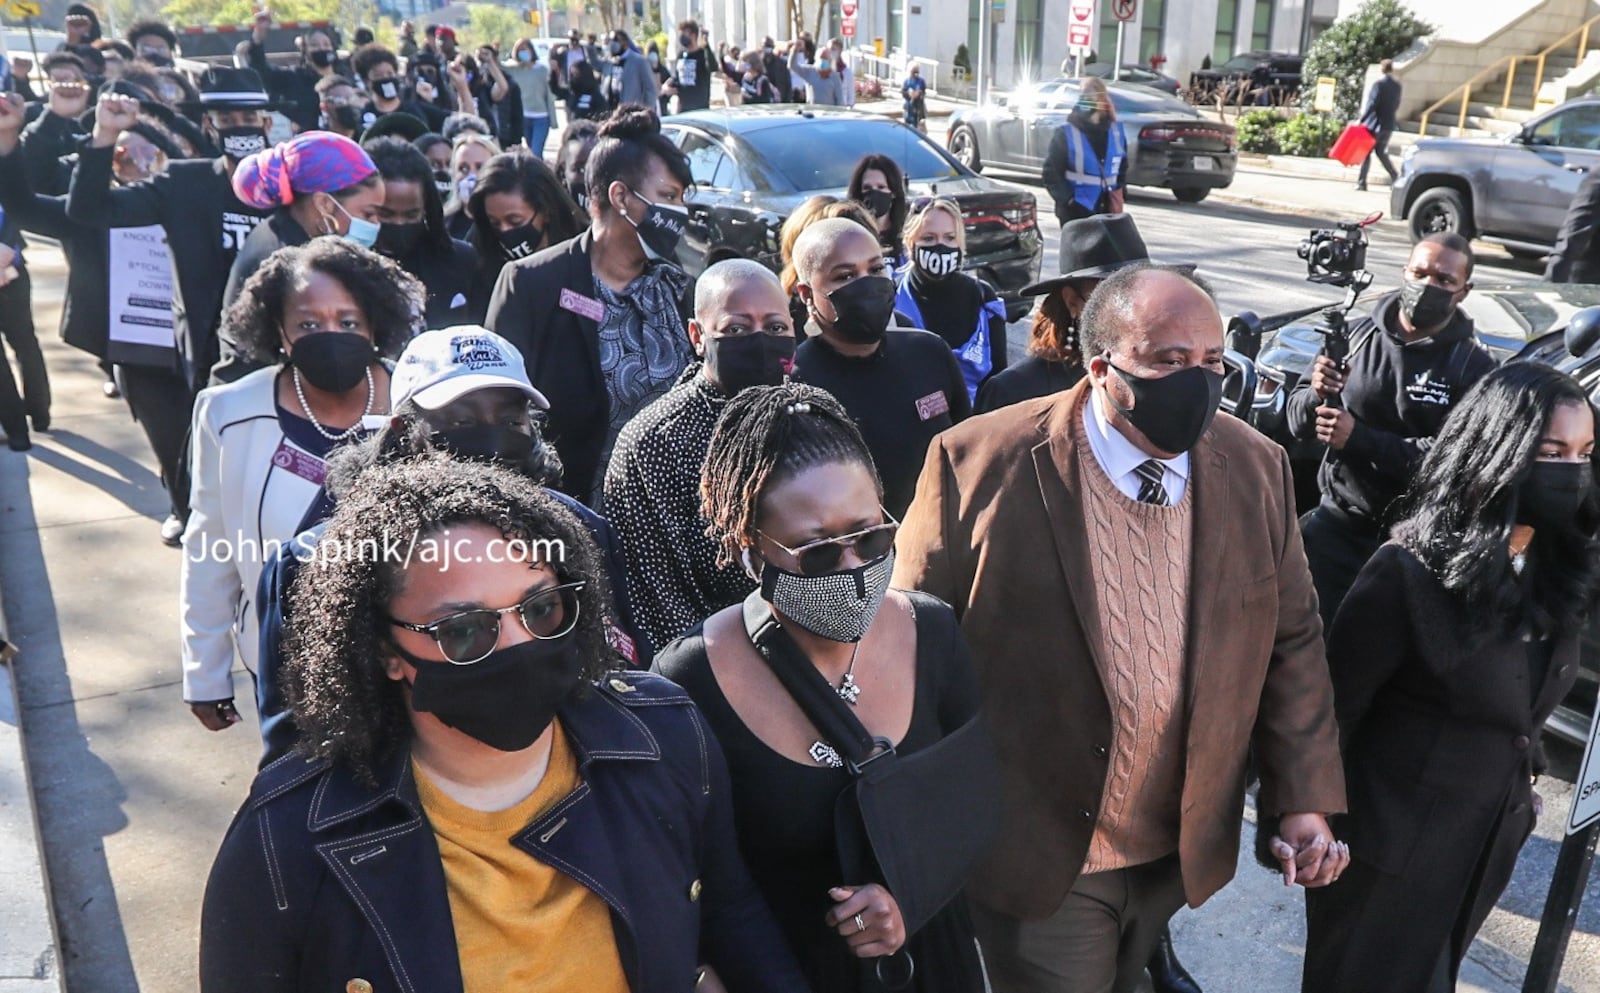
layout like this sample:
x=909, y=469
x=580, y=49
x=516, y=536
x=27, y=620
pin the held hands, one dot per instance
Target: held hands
x=868, y=918
x=1334, y=425
x=113, y=114
x=1306, y=851
x=1327, y=381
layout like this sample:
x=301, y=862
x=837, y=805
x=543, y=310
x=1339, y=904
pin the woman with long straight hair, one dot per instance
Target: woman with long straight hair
x=1458, y=639
x=878, y=184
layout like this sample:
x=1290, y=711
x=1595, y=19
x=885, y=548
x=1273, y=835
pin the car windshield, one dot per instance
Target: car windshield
x=1147, y=101
x=820, y=154
x=1241, y=62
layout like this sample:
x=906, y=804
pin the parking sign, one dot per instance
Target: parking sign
x=1080, y=27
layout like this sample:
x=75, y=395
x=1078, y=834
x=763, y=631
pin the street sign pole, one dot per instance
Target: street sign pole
x=1561, y=910
x=38, y=65
x=981, y=63
x=1116, y=70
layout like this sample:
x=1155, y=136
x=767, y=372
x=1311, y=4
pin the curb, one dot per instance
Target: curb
x=30, y=960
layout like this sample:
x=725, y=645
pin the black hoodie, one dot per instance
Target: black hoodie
x=1399, y=393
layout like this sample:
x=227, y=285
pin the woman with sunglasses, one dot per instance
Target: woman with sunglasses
x=792, y=494
x=937, y=296
x=476, y=803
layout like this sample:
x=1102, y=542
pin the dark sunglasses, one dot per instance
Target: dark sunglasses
x=824, y=555
x=471, y=635
x=924, y=202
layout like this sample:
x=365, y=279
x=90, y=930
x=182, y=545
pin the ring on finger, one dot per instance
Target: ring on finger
x=861, y=925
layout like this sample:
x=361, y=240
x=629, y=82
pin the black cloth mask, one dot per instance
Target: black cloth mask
x=241, y=142
x=880, y=202
x=387, y=89
x=747, y=360
x=520, y=242
x=938, y=261
x=1553, y=493
x=332, y=361
x=322, y=58
x=397, y=240
x=1424, y=304
x=661, y=229
x=508, y=699
x=442, y=183
x=1173, y=411
x=348, y=118
x=487, y=443
x=863, y=309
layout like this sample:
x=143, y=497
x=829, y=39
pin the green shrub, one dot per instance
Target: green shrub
x=962, y=59
x=1309, y=135
x=1378, y=30
x=1257, y=131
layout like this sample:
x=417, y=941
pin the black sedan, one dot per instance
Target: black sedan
x=1129, y=74
x=753, y=166
x=1170, y=144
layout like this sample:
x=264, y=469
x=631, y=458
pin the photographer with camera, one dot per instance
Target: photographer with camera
x=1379, y=408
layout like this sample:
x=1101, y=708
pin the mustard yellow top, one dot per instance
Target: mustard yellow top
x=520, y=924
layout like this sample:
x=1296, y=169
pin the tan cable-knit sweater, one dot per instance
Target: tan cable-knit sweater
x=1140, y=561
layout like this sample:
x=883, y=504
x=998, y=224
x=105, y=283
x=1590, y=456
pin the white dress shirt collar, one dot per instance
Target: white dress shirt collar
x=1119, y=457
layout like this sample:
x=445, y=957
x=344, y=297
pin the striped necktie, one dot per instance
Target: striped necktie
x=1151, y=490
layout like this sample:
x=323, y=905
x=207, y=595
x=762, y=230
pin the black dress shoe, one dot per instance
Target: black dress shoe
x=1167, y=974
x=18, y=442
x=1361, y=187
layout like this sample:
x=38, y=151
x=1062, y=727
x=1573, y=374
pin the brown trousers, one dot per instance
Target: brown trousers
x=1097, y=942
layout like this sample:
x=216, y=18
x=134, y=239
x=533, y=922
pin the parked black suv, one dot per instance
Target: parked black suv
x=1279, y=72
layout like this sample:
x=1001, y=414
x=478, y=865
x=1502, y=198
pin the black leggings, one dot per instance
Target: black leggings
x=162, y=404
x=16, y=325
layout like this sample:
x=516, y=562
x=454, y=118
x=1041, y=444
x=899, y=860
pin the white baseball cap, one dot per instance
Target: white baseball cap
x=439, y=367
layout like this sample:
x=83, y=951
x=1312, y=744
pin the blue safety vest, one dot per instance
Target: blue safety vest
x=1088, y=175
x=974, y=357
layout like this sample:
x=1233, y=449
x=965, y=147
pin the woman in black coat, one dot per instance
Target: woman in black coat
x=1456, y=642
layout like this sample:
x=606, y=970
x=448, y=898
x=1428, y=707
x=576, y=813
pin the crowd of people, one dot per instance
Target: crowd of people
x=615, y=627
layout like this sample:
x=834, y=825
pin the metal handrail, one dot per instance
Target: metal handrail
x=1509, y=65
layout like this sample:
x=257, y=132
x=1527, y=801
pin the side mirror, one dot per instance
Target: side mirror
x=1583, y=332
x=1241, y=371
x=1244, y=334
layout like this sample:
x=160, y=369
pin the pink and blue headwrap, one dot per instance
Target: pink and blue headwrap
x=311, y=162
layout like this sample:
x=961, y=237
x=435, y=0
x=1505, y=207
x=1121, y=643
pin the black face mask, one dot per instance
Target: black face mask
x=387, y=89
x=521, y=242
x=347, y=118
x=1424, y=304
x=747, y=360
x=441, y=182
x=580, y=196
x=880, y=202
x=505, y=701
x=322, y=58
x=397, y=240
x=487, y=443
x=241, y=142
x=863, y=308
x=938, y=261
x=661, y=229
x=1174, y=410
x=332, y=361
x=1553, y=493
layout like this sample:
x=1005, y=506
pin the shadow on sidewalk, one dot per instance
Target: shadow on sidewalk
x=104, y=469
x=78, y=797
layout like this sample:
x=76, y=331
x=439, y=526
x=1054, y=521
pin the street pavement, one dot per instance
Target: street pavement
x=133, y=794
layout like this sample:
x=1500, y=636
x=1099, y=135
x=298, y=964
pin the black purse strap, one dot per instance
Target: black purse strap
x=821, y=704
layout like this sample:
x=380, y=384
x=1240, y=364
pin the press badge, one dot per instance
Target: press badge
x=583, y=306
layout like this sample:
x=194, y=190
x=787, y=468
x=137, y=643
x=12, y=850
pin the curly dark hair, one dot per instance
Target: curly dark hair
x=764, y=435
x=572, y=155
x=1458, y=514
x=349, y=711
x=408, y=434
x=369, y=57
x=148, y=26
x=392, y=297
x=519, y=171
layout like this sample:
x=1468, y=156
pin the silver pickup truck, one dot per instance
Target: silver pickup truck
x=1513, y=190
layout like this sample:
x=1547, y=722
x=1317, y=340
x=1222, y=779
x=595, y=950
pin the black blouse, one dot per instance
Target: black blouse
x=784, y=811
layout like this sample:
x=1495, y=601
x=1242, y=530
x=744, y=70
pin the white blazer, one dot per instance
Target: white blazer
x=249, y=492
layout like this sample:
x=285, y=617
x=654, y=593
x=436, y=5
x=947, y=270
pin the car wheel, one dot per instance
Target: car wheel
x=1439, y=210
x=964, y=146
x=1191, y=194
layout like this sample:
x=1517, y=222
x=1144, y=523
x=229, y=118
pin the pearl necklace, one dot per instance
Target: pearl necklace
x=300, y=394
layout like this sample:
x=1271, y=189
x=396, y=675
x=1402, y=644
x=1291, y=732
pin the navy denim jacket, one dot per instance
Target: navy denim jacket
x=322, y=880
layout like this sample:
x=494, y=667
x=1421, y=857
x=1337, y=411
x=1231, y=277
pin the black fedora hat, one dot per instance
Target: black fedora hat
x=227, y=88
x=1093, y=248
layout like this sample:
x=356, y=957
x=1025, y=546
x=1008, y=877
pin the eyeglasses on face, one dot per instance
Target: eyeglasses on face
x=825, y=554
x=471, y=636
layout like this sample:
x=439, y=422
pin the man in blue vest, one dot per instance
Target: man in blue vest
x=1087, y=164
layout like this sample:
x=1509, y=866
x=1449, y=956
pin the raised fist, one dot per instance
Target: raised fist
x=12, y=113
x=113, y=115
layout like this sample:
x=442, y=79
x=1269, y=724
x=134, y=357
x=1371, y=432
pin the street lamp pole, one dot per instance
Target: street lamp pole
x=981, y=63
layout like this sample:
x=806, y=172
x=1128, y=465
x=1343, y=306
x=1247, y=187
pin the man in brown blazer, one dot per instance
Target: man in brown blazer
x=1129, y=574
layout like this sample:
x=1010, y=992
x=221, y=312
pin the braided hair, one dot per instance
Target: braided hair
x=768, y=434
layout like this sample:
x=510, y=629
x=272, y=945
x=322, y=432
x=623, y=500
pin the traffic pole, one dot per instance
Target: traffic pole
x=981, y=64
x=38, y=66
x=1116, y=68
x=1561, y=910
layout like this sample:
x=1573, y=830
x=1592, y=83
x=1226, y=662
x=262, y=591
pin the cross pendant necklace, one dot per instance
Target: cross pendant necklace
x=820, y=751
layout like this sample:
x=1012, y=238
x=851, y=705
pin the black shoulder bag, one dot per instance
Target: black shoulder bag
x=929, y=817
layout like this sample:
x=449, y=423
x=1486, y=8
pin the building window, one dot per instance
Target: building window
x=1153, y=30
x=1227, y=31
x=1261, y=26
x=1106, y=47
x=1030, y=28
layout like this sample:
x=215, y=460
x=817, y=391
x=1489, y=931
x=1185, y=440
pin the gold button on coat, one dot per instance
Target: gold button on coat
x=358, y=986
x=694, y=891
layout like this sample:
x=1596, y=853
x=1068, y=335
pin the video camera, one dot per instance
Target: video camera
x=1336, y=257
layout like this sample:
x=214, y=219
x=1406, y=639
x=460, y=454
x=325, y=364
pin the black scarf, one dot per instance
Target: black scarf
x=949, y=306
